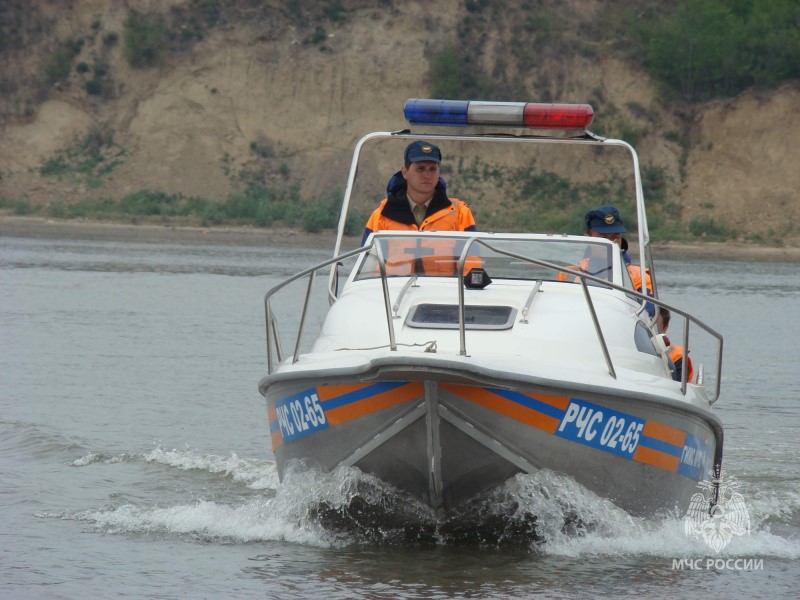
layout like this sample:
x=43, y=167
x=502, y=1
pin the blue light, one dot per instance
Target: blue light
x=423, y=111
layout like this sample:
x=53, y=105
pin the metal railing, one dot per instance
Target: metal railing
x=273, y=338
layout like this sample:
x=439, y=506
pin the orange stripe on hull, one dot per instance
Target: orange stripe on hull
x=277, y=439
x=665, y=433
x=511, y=409
x=558, y=401
x=466, y=391
x=326, y=392
x=655, y=458
x=373, y=404
x=505, y=407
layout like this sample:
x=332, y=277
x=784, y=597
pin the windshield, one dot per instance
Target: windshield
x=437, y=255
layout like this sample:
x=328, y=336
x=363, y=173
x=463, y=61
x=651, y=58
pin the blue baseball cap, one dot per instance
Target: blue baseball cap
x=604, y=219
x=421, y=150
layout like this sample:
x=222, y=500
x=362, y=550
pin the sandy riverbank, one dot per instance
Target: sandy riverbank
x=38, y=227
x=18, y=226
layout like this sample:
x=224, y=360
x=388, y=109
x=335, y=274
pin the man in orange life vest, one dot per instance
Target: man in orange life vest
x=605, y=222
x=676, y=353
x=417, y=197
x=417, y=201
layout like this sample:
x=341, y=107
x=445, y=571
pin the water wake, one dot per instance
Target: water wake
x=541, y=513
x=256, y=474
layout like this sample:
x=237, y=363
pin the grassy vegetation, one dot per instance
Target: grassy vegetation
x=694, y=49
x=260, y=206
x=149, y=36
x=542, y=202
x=145, y=39
x=59, y=65
x=88, y=160
x=702, y=49
x=267, y=196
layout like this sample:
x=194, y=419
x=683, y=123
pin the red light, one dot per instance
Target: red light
x=557, y=116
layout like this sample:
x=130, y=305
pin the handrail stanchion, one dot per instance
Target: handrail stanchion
x=277, y=338
x=597, y=328
x=612, y=286
x=386, y=302
x=719, y=371
x=302, y=324
x=268, y=320
x=272, y=322
x=685, y=357
x=462, y=332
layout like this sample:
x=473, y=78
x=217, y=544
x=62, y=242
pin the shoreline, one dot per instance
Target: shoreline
x=41, y=227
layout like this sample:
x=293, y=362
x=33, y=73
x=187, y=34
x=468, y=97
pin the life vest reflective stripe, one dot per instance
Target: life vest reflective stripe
x=432, y=257
x=429, y=256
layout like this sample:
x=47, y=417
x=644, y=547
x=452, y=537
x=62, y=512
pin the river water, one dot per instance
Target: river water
x=135, y=460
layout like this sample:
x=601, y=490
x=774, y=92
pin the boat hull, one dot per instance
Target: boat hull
x=445, y=436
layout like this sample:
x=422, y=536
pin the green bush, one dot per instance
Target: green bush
x=145, y=202
x=323, y=212
x=58, y=209
x=54, y=166
x=717, y=48
x=317, y=217
x=144, y=39
x=88, y=158
x=319, y=35
x=356, y=221
x=654, y=183
x=22, y=207
x=262, y=148
x=335, y=10
x=446, y=76
x=707, y=227
x=59, y=66
x=94, y=87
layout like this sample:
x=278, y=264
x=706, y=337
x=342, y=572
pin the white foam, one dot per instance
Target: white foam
x=285, y=517
x=596, y=527
x=257, y=474
x=249, y=522
x=88, y=459
x=610, y=532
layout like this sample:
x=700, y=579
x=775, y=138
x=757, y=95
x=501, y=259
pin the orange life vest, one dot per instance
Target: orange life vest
x=433, y=257
x=676, y=355
x=635, y=272
x=456, y=217
x=585, y=265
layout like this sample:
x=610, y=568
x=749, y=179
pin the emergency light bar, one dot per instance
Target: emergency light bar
x=423, y=111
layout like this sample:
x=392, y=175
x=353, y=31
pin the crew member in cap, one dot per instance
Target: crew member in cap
x=417, y=198
x=605, y=222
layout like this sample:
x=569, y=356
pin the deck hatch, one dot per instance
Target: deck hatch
x=445, y=316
